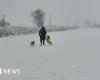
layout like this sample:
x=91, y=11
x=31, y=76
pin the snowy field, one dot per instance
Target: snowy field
x=74, y=55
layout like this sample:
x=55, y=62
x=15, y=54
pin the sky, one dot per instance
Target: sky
x=18, y=12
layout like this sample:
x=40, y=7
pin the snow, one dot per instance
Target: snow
x=74, y=55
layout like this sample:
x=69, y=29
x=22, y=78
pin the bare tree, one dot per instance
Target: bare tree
x=3, y=21
x=38, y=17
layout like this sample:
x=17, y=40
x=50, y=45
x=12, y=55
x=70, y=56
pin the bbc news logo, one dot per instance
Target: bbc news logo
x=10, y=71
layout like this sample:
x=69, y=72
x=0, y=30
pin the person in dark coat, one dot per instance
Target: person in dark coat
x=42, y=34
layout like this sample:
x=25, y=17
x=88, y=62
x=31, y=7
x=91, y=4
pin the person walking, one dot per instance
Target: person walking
x=42, y=34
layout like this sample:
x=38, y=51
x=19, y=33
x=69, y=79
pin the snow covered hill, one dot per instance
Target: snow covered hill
x=74, y=55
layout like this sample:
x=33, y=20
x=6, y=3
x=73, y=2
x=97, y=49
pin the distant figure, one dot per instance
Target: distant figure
x=42, y=34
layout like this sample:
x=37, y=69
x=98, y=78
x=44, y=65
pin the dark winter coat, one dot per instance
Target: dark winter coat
x=42, y=33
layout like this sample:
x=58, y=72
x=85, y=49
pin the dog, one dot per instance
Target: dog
x=32, y=43
x=48, y=39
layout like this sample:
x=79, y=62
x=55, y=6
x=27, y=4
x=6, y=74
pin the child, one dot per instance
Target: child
x=49, y=40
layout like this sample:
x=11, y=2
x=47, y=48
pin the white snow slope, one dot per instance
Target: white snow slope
x=74, y=55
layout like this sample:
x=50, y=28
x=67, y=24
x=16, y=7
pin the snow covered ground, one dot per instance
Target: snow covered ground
x=74, y=55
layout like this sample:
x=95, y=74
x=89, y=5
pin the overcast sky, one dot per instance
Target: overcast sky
x=63, y=11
